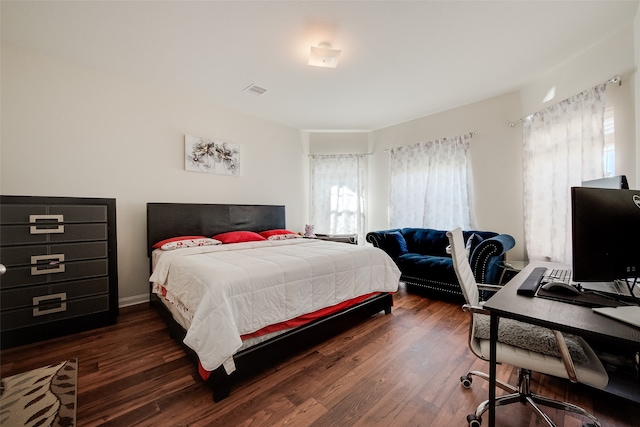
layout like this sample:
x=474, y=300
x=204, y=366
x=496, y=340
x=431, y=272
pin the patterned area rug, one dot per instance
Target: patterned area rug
x=42, y=397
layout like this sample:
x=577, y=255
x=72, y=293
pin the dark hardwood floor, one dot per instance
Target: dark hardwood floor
x=401, y=369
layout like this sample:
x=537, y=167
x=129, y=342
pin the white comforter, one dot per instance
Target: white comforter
x=226, y=291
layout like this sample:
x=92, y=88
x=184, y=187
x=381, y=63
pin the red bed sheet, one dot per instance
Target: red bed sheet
x=298, y=321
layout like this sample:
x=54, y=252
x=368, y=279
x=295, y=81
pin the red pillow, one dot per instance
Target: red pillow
x=269, y=233
x=175, y=239
x=238, y=237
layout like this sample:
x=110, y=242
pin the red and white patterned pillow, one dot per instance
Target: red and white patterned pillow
x=279, y=234
x=185, y=242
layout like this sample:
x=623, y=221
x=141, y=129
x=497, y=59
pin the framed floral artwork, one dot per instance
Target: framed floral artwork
x=206, y=155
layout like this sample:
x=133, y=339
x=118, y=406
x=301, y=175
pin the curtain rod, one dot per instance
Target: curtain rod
x=617, y=79
x=472, y=133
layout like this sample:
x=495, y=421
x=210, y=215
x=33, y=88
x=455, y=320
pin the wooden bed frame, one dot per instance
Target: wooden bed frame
x=165, y=220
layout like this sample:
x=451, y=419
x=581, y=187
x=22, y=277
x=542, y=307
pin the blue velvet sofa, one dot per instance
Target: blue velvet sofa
x=421, y=255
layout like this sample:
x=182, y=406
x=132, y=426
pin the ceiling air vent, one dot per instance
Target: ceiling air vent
x=254, y=89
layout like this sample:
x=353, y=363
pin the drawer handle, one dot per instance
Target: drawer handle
x=48, y=300
x=53, y=266
x=35, y=229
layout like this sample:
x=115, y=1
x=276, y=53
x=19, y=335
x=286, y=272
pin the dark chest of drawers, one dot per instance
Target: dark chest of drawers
x=61, y=265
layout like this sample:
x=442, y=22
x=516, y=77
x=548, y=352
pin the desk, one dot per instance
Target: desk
x=575, y=319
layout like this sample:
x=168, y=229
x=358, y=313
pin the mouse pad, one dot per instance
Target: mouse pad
x=586, y=299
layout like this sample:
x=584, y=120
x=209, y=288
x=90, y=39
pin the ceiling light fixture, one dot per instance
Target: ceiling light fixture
x=324, y=56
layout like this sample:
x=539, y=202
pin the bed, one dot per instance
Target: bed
x=301, y=290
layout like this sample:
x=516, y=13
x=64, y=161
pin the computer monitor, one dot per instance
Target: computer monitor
x=619, y=181
x=605, y=234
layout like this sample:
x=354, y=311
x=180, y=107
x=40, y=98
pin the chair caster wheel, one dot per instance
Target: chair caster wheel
x=466, y=381
x=473, y=420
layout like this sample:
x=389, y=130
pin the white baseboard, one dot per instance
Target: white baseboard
x=134, y=300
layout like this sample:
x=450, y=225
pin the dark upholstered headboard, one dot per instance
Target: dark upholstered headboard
x=165, y=220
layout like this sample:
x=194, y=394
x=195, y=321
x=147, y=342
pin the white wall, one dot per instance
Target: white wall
x=71, y=131
x=338, y=142
x=496, y=158
x=496, y=151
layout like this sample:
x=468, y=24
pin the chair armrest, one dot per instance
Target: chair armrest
x=566, y=357
x=488, y=287
x=476, y=309
x=486, y=256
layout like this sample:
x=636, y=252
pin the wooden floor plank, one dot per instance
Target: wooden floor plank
x=401, y=369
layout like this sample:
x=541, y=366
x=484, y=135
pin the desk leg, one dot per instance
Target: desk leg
x=493, y=339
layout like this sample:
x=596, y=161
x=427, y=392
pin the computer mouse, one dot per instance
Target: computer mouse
x=561, y=287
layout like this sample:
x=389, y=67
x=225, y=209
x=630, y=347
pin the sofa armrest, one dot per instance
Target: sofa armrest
x=487, y=256
x=376, y=238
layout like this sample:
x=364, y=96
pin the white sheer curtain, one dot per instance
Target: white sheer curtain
x=429, y=185
x=338, y=194
x=563, y=146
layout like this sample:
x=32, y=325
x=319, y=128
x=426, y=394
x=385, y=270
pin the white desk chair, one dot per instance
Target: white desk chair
x=588, y=370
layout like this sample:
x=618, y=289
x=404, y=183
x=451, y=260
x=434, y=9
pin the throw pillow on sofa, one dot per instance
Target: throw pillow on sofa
x=472, y=243
x=395, y=244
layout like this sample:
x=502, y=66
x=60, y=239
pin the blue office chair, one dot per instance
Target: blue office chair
x=527, y=347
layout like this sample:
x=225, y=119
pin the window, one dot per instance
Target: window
x=563, y=146
x=338, y=194
x=609, y=143
x=430, y=185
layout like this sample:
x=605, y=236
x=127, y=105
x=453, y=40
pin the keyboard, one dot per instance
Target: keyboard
x=557, y=275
